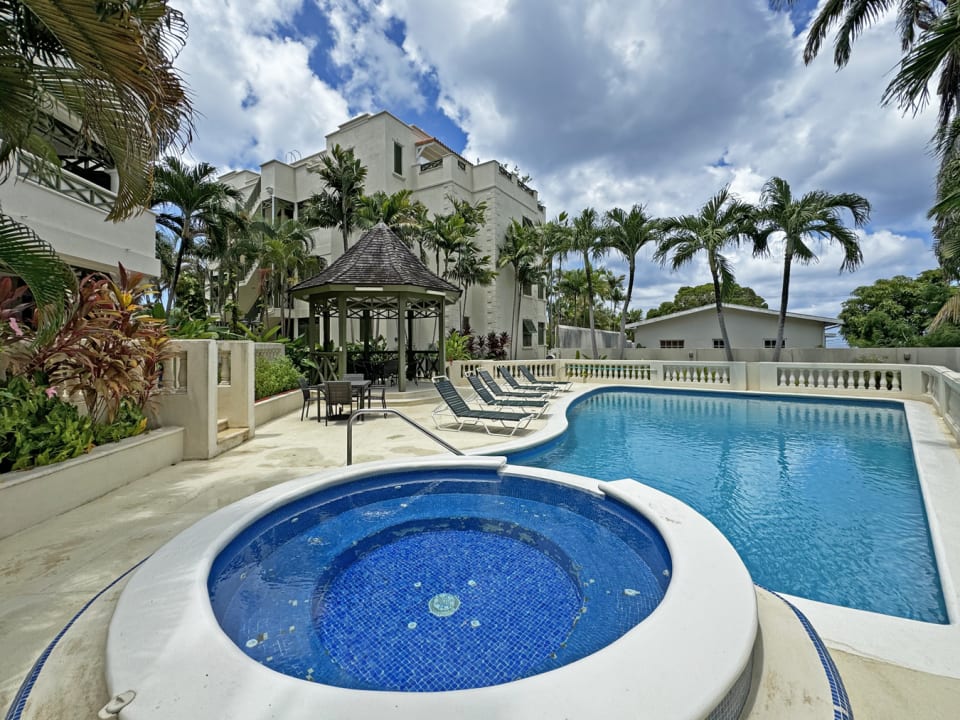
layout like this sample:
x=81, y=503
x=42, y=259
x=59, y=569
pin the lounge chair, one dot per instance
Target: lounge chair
x=512, y=382
x=563, y=385
x=500, y=392
x=533, y=405
x=462, y=414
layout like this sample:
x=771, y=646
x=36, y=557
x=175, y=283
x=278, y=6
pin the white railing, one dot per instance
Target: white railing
x=936, y=384
x=173, y=374
x=865, y=378
x=942, y=388
x=66, y=183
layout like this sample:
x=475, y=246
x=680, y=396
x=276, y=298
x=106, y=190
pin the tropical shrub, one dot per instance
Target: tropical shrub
x=128, y=422
x=274, y=376
x=455, y=347
x=109, y=349
x=38, y=428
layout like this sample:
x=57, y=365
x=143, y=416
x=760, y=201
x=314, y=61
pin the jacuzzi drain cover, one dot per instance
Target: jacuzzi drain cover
x=444, y=604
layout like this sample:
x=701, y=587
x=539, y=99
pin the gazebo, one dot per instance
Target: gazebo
x=376, y=279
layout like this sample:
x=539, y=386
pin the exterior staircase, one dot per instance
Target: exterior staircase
x=229, y=437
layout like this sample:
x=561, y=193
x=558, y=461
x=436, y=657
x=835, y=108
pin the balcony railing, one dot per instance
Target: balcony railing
x=66, y=183
x=427, y=167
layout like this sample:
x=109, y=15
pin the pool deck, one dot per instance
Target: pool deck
x=51, y=570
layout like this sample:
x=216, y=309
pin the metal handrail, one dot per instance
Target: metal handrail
x=390, y=411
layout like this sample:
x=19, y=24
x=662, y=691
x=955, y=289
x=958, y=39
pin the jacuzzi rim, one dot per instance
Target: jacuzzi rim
x=165, y=643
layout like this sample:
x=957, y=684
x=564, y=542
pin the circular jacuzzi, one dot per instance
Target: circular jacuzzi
x=458, y=586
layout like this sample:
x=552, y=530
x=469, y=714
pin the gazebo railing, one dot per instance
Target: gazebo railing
x=377, y=364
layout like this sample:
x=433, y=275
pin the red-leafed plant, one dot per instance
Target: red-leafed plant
x=109, y=349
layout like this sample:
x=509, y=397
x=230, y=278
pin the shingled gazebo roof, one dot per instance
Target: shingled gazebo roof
x=378, y=259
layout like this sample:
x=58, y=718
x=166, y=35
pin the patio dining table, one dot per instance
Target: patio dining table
x=359, y=388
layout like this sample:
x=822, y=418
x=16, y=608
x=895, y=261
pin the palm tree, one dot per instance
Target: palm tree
x=470, y=268
x=722, y=223
x=519, y=251
x=396, y=211
x=815, y=214
x=572, y=289
x=587, y=238
x=338, y=204
x=554, y=244
x=190, y=202
x=928, y=32
x=111, y=67
x=284, y=253
x=627, y=233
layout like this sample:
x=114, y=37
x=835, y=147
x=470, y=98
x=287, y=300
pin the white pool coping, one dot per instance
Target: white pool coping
x=927, y=647
x=164, y=642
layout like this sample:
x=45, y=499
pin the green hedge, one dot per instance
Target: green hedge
x=271, y=377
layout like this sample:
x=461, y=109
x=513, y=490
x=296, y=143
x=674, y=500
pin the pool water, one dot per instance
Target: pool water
x=433, y=581
x=821, y=498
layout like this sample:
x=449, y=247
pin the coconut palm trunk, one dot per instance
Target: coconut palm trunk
x=784, y=298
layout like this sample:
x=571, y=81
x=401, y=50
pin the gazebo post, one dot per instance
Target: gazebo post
x=441, y=341
x=312, y=325
x=326, y=329
x=342, y=328
x=401, y=344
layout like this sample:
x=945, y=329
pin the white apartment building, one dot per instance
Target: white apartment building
x=69, y=211
x=399, y=156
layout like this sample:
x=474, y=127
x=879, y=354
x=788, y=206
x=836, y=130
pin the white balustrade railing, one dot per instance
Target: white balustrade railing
x=869, y=379
x=173, y=374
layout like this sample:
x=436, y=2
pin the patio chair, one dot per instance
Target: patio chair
x=500, y=392
x=307, y=395
x=338, y=394
x=390, y=370
x=462, y=414
x=512, y=382
x=564, y=385
x=533, y=405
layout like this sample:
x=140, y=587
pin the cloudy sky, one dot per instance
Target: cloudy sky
x=604, y=103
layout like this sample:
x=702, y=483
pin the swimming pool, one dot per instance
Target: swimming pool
x=819, y=496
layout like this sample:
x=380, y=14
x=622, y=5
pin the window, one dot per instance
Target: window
x=529, y=328
x=772, y=342
x=541, y=334
x=398, y=158
x=541, y=292
x=528, y=288
x=526, y=222
x=671, y=344
x=718, y=343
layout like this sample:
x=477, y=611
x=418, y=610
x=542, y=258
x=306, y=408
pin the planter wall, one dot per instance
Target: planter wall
x=28, y=497
x=277, y=406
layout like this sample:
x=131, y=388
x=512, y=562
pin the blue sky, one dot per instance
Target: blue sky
x=655, y=102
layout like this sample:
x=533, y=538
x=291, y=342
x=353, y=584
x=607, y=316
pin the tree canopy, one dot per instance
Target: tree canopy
x=688, y=297
x=895, y=312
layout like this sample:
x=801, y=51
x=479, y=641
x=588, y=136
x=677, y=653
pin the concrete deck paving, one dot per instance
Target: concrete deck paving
x=49, y=571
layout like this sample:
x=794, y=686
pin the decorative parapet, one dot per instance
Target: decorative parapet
x=433, y=165
x=503, y=171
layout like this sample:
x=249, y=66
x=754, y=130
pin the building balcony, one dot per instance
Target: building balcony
x=70, y=213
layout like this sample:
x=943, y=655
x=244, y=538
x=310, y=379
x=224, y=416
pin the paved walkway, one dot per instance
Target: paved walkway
x=48, y=572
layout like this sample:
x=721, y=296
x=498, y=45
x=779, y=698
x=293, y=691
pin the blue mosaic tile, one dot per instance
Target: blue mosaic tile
x=336, y=588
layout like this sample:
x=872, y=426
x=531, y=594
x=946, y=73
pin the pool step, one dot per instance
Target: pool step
x=222, y=424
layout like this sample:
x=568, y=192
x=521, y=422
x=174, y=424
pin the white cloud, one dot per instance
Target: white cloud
x=604, y=104
x=253, y=87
